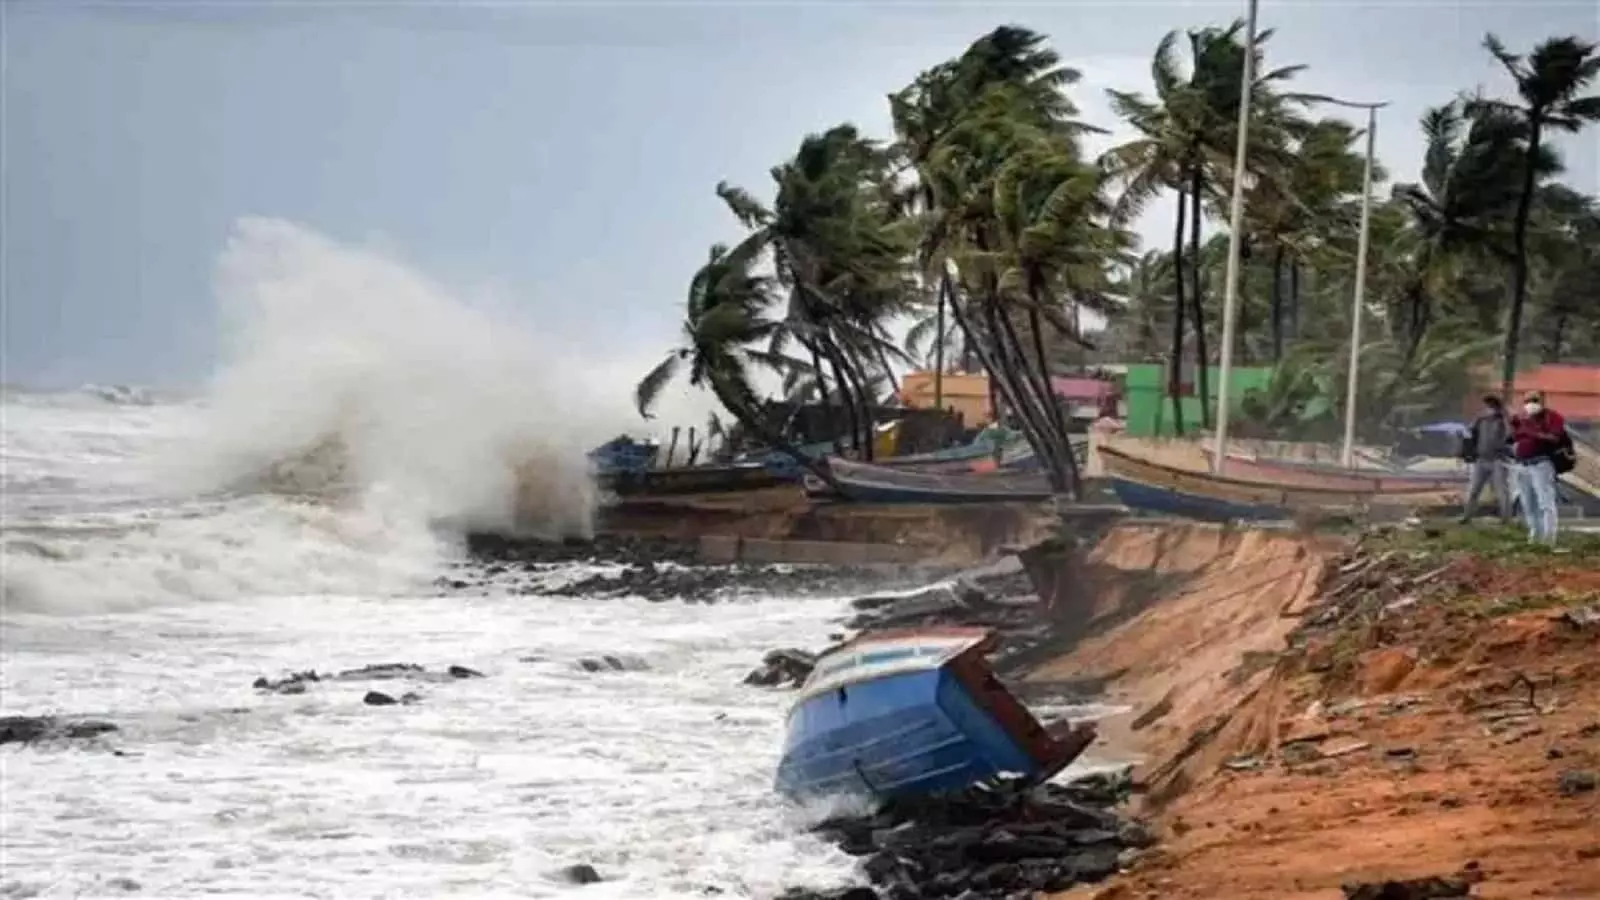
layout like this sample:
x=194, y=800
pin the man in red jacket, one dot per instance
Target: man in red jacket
x=1535, y=436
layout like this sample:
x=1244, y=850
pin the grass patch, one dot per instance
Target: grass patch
x=1505, y=544
x=1541, y=601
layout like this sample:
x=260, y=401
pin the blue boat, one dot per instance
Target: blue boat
x=911, y=713
x=1145, y=497
x=1152, y=487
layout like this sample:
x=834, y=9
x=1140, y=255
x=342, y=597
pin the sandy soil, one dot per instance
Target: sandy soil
x=1310, y=720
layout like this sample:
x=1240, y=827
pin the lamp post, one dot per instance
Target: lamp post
x=1230, y=301
x=1358, y=302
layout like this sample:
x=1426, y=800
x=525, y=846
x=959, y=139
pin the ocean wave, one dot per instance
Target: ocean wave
x=362, y=417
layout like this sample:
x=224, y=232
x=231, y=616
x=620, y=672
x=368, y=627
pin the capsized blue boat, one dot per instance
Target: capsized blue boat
x=915, y=712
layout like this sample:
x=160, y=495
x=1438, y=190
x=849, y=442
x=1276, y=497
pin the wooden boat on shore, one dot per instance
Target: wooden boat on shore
x=1154, y=487
x=911, y=713
x=1321, y=475
x=867, y=483
x=690, y=480
x=951, y=459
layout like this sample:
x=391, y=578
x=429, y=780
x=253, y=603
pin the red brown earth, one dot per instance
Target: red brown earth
x=1311, y=717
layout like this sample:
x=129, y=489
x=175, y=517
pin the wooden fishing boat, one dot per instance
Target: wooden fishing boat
x=1321, y=475
x=914, y=712
x=866, y=483
x=950, y=459
x=690, y=480
x=1153, y=487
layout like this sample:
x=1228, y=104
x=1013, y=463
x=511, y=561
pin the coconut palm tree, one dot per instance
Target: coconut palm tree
x=725, y=318
x=840, y=254
x=1550, y=87
x=960, y=126
x=1186, y=144
x=1471, y=173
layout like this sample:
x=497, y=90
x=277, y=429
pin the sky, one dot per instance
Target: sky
x=559, y=157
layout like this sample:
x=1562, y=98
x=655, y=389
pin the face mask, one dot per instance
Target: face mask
x=1531, y=409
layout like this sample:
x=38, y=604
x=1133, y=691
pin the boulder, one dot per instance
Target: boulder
x=34, y=729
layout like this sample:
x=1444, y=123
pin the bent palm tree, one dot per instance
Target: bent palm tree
x=724, y=317
x=1550, y=82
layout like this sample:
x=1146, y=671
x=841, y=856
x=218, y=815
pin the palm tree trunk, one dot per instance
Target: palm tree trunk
x=754, y=423
x=971, y=345
x=1277, y=304
x=1294, y=298
x=1074, y=483
x=841, y=383
x=1201, y=357
x=1519, y=271
x=888, y=373
x=938, y=349
x=1031, y=388
x=1175, y=364
x=1032, y=402
x=824, y=399
x=1558, y=334
x=1004, y=381
x=864, y=401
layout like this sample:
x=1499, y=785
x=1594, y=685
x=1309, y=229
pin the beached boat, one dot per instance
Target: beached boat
x=866, y=483
x=1321, y=475
x=914, y=712
x=690, y=480
x=1154, y=487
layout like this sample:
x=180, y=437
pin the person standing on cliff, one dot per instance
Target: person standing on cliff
x=1536, y=436
x=1488, y=449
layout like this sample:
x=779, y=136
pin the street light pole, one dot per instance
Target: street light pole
x=1230, y=301
x=1357, y=304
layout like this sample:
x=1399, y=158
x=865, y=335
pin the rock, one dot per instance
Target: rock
x=33, y=729
x=613, y=664
x=1575, y=781
x=298, y=682
x=782, y=667
x=992, y=842
x=1432, y=888
x=378, y=698
x=581, y=873
x=1583, y=617
x=293, y=683
x=125, y=884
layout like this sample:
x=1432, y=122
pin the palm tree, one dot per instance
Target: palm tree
x=1550, y=83
x=840, y=255
x=1186, y=144
x=1291, y=214
x=1470, y=173
x=724, y=317
x=960, y=126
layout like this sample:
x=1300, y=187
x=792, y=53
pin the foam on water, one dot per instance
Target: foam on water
x=160, y=553
x=487, y=787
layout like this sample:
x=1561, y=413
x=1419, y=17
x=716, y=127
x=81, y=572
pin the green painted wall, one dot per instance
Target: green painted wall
x=1150, y=409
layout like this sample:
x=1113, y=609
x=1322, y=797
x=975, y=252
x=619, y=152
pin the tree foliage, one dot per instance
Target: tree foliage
x=985, y=225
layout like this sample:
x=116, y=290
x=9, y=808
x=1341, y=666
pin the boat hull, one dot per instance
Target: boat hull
x=913, y=716
x=1145, y=497
x=699, y=480
x=865, y=483
x=1317, y=475
x=1167, y=489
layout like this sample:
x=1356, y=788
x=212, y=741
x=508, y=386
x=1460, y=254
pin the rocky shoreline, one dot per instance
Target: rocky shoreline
x=989, y=843
x=996, y=841
x=660, y=570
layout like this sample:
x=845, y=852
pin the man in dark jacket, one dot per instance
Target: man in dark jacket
x=1535, y=437
x=1488, y=450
